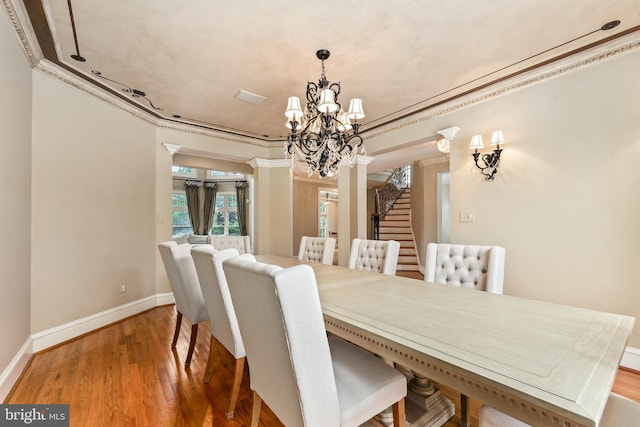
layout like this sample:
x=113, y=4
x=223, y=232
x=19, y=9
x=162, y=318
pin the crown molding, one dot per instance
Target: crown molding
x=24, y=31
x=70, y=79
x=617, y=47
x=18, y=16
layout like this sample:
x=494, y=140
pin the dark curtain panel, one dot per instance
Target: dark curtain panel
x=192, y=188
x=210, y=190
x=241, y=193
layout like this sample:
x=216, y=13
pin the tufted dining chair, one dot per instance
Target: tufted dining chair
x=222, y=316
x=185, y=286
x=305, y=377
x=618, y=412
x=466, y=266
x=317, y=249
x=380, y=256
x=241, y=243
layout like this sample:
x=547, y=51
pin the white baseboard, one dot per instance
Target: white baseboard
x=631, y=359
x=59, y=334
x=11, y=374
x=62, y=333
x=165, y=299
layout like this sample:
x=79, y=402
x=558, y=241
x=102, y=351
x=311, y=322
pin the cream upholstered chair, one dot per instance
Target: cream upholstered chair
x=305, y=378
x=241, y=243
x=317, y=249
x=619, y=412
x=186, y=290
x=222, y=316
x=466, y=266
x=380, y=256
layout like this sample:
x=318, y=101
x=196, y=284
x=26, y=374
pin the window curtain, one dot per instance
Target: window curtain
x=192, y=190
x=210, y=190
x=241, y=193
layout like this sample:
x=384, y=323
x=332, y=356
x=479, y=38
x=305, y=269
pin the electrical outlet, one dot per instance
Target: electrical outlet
x=123, y=287
x=467, y=217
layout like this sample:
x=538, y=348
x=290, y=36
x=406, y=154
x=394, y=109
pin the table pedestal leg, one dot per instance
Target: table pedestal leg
x=465, y=417
x=424, y=405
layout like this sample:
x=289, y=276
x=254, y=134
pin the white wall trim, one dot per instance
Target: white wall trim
x=631, y=358
x=270, y=163
x=73, y=329
x=164, y=299
x=59, y=334
x=11, y=374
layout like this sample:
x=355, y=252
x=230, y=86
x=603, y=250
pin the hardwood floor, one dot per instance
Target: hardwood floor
x=126, y=375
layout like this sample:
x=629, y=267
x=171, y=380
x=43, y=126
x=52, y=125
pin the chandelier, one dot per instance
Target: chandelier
x=323, y=136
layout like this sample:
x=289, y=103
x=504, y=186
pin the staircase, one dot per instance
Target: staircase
x=396, y=225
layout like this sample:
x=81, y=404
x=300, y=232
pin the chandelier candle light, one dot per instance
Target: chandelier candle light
x=323, y=136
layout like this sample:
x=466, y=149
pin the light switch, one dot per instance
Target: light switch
x=467, y=217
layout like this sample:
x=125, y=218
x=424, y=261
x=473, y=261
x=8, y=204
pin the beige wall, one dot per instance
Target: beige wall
x=566, y=201
x=424, y=204
x=94, y=205
x=273, y=198
x=305, y=211
x=15, y=190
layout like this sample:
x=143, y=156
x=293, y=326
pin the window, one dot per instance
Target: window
x=184, y=172
x=180, y=216
x=211, y=174
x=323, y=220
x=225, y=219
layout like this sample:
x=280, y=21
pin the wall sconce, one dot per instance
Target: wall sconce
x=487, y=163
x=447, y=136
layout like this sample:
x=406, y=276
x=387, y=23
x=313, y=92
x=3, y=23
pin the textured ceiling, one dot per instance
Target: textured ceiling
x=189, y=59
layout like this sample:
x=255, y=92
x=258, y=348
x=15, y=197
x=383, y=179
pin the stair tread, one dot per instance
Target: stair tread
x=396, y=225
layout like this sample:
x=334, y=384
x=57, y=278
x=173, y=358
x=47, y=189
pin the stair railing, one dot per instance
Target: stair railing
x=387, y=194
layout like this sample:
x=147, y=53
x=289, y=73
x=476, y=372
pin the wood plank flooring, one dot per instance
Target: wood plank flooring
x=126, y=375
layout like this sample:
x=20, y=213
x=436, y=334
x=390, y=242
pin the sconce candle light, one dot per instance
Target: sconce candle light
x=487, y=163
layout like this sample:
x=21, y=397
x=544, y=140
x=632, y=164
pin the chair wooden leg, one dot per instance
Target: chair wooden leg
x=398, y=413
x=255, y=409
x=237, y=380
x=176, y=333
x=209, y=369
x=192, y=345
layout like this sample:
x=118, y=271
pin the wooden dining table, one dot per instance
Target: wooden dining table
x=543, y=363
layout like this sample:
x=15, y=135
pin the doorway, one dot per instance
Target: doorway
x=328, y=213
x=444, y=216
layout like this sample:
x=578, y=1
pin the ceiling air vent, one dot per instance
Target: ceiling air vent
x=243, y=95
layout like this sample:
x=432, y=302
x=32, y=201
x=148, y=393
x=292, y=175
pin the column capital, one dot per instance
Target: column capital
x=270, y=163
x=363, y=160
x=172, y=148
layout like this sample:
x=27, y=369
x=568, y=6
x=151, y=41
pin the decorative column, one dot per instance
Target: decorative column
x=273, y=206
x=352, y=206
x=164, y=188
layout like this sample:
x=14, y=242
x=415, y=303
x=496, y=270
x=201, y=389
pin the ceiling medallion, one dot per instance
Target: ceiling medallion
x=323, y=136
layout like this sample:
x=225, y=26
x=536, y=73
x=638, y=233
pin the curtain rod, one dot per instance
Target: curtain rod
x=180, y=178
